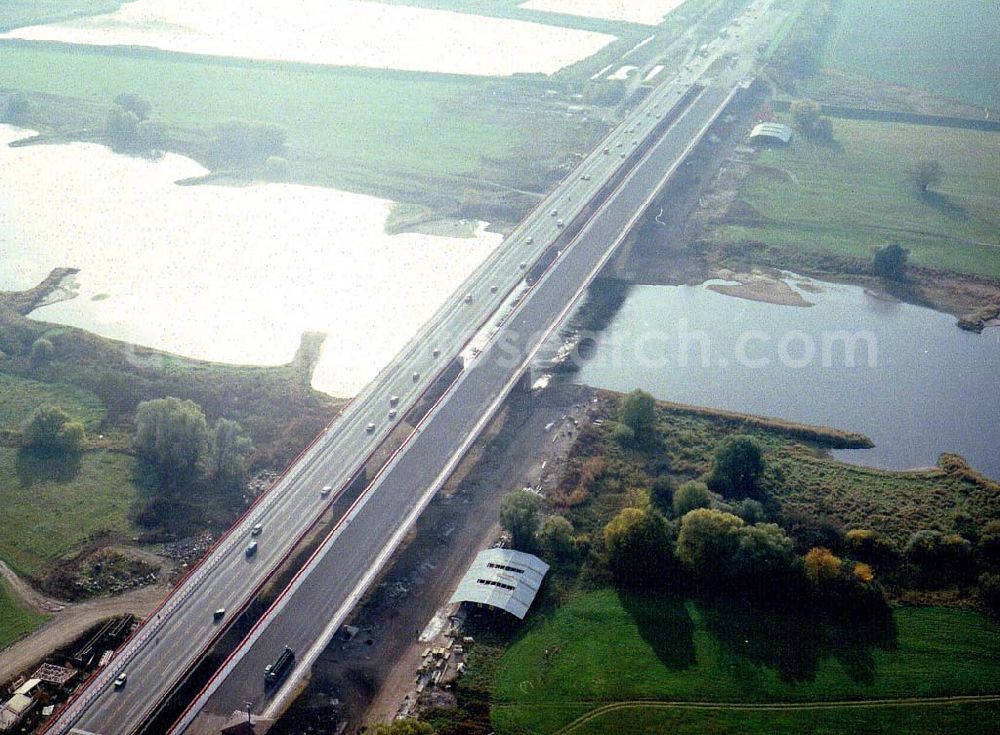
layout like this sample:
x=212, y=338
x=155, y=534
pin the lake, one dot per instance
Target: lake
x=232, y=274
x=904, y=375
x=333, y=32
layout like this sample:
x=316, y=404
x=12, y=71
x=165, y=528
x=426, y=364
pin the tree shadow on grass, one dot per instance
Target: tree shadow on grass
x=943, y=204
x=34, y=467
x=664, y=624
x=796, y=643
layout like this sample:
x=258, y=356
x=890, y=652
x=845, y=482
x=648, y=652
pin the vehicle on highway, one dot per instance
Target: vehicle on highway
x=468, y=298
x=219, y=614
x=274, y=672
x=371, y=427
x=255, y=531
x=327, y=489
x=251, y=549
x=393, y=400
x=120, y=681
x=392, y=414
x=554, y=212
x=559, y=223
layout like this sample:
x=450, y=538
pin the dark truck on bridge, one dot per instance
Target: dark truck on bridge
x=274, y=672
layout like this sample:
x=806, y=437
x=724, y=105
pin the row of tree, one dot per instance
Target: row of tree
x=173, y=435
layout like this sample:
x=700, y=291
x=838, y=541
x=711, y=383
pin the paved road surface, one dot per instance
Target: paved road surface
x=331, y=583
x=177, y=635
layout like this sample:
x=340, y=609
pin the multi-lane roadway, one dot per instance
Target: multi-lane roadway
x=175, y=637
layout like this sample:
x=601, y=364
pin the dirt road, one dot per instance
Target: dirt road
x=69, y=620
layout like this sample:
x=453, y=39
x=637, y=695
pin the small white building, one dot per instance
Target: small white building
x=771, y=133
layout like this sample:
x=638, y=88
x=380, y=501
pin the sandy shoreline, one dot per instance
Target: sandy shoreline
x=758, y=286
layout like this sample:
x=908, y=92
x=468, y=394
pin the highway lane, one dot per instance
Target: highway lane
x=322, y=596
x=163, y=649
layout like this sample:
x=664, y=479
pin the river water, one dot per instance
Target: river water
x=336, y=32
x=232, y=274
x=905, y=376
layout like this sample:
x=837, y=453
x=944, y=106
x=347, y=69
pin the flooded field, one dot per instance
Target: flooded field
x=233, y=274
x=332, y=32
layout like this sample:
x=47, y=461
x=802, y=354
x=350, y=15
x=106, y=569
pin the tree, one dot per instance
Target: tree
x=763, y=556
x=230, y=447
x=890, y=262
x=555, y=537
x=821, y=566
x=122, y=129
x=870, y=546
x=750, y=510
x=739, y=463
x=519, y=515
x=241, y=142
x=151, y=135
x=41, y=351
x=402, y=727
x=924, y=174
x=173, y=435
x=805, y=114
x=131, y=102
x=661, y=494
x=640, y=546
x=50, y=429
x=690, y=495
x=989, y=543
x=638, y=412
x=707, y=542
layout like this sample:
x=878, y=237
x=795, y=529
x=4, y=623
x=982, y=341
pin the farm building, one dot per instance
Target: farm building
x=771, y=133
x=503, y=579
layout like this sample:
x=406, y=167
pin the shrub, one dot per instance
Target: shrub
x=624, y=435
x=738, y=465
x=989, y=543
x=690, y=495
x=640, y=546
x=519, y=515
x=871, y=547
x=50, y=429
x=810, y=531
x=751, y=511
x=890, y=262
x=42, y=351
x=821, y=566
x=638, y=412
x=661, y=494
x=555, y=538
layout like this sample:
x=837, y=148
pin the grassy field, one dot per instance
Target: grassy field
x=15, y=620
x=20, y=396
x=55, y=506
x=360, y=129
x=852, y=198
x=972, y=718
x=604, y=647
x=947, y=49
